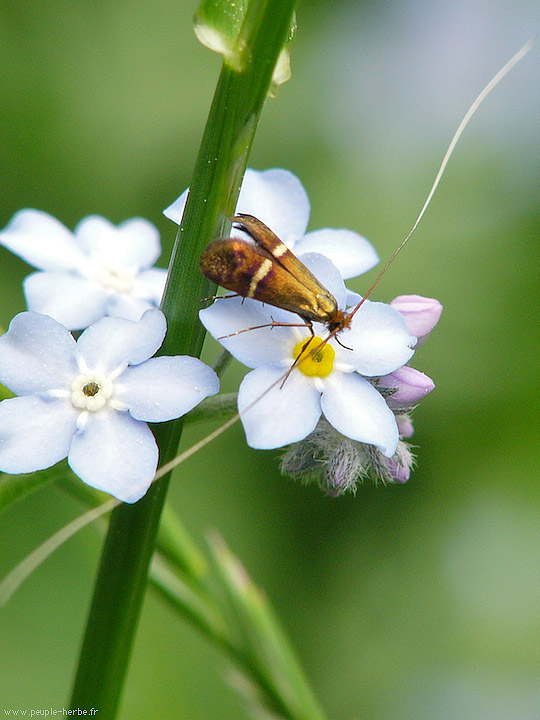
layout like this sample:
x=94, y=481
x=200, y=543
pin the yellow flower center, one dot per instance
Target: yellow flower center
x=313, y=360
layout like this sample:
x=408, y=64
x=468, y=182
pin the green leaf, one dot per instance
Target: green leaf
x=193, y=602
x=270, y=660
x=220, y=407
x=174, y=542
x=220, y=26
x=5, y=393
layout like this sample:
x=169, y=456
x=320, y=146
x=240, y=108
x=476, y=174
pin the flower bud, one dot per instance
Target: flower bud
x=405, y=426
x=342, y=469
x=396, y=469
x=409, y=385
x=399, y=471
x=421, y=314
x=326, y=457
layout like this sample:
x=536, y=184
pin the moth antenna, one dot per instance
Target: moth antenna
x=495, y=80
x=303, y=356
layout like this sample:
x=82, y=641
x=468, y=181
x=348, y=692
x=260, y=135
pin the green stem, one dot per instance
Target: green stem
x=121, y=580
x=116, y=604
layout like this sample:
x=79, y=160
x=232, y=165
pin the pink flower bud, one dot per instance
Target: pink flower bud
x=410, y=387
x=397, y=469
x=399, y=472
x=420, y=313
x=405, y=426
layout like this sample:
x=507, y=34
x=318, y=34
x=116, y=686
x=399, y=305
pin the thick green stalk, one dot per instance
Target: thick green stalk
x=121, y=580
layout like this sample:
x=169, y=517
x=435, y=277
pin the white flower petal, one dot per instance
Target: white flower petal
x=328, y=275
x=353, y=298
x=115, y=453
x=350, y=252
x=278, y=198
x=110, y=342
x=176, y=209
x=127, y=307
x=273, y=415
x=133, y=244
x=71, y=299
x=35, y=432
x=256, y=346
x=353, y=406
x=380, y=340
x=147, y=292
x=141, y=240
x=36, y=354
x=166, y=387
x=42, y=241
x=150, y=285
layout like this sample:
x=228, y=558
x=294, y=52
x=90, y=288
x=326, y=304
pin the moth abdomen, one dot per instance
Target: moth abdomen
x=232, y=263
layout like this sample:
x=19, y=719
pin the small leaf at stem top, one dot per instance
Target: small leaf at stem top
x=218, y=25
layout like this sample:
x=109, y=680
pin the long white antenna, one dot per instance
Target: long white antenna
x=463, y=124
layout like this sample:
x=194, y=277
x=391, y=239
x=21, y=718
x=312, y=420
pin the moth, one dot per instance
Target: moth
x=265, y=269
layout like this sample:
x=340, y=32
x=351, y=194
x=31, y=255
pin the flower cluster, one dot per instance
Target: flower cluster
x=90, y=399
x=359, y=381
x=341, y=401
x=337, y=462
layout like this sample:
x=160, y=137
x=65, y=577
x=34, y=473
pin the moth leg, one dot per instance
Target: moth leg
x=258, y=327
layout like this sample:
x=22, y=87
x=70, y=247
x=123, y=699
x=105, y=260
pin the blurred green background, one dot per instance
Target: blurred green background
x=415, y=601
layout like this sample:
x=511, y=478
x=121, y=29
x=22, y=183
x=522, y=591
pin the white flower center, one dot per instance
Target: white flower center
x=91, y=391
x=120, y=280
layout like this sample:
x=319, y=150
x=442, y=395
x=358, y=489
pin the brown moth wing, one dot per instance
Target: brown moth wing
x=266, y=238
x=316, y=303
x=252, y=271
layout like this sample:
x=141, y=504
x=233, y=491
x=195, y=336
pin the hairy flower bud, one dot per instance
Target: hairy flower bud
x=337, y=464
x=396, y=469
x=326, y=457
